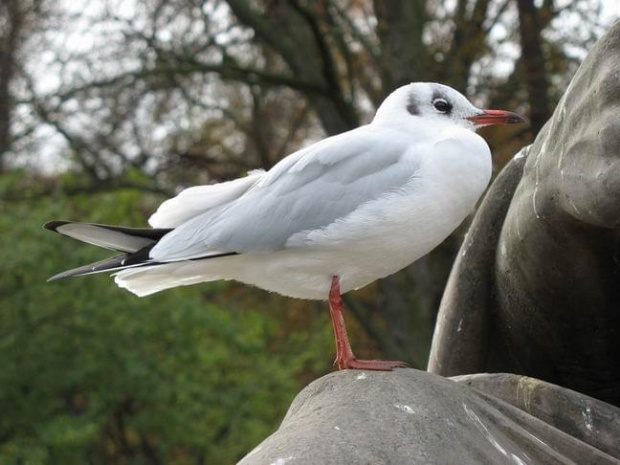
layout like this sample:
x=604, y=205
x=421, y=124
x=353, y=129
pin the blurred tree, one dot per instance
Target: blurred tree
x=92, y=375
x=18, y=19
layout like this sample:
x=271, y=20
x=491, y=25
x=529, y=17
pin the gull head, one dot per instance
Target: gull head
x=436, y=105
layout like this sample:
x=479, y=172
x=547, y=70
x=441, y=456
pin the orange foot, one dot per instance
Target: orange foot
x=380, y=365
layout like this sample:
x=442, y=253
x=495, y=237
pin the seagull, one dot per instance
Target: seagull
x=327, y=219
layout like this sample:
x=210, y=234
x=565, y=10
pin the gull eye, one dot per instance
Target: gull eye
x=442, y=105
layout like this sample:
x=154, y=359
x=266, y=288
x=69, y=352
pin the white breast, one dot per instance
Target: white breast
x=385, y=235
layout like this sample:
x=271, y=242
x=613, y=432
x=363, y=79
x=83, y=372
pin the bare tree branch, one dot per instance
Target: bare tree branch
x=225, y=70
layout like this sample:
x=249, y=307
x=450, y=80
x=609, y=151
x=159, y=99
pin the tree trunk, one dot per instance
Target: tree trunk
x=467, y=44
x=12, y=19
x=400, y=25
x=536, y=80
x=295, y=33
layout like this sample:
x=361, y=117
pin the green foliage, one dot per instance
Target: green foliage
x=92, y=374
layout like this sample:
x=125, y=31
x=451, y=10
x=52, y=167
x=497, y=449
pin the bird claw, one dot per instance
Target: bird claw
x=379, y=365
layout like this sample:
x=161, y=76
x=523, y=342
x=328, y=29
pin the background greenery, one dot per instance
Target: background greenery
x=107, y=107
x=90, y=371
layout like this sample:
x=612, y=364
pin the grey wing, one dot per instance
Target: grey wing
x=306, y=191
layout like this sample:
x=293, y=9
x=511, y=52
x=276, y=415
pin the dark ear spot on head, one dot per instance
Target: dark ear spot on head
x=412, y=106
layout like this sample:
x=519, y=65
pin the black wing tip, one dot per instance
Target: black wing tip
x=149, y=233
x=81, y=271
x=63, y=275
x=54, y=225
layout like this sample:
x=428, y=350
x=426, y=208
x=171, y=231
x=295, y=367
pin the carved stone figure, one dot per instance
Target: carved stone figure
x=536, y=287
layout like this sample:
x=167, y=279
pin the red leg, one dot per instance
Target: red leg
x=344, y=355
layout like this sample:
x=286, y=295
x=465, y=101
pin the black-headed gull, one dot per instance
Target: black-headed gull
x=332, y=217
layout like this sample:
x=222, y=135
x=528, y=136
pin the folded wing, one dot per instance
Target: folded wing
x=308, y=190
x=196, y=200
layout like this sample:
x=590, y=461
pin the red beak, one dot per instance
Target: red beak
x=488, y=117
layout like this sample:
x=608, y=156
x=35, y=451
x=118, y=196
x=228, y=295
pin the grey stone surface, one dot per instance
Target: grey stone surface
x=584, y=418
x=536, y=289
x=413, y=417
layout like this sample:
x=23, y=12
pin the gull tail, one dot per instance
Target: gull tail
x=134, y=245
x=147, y=280
x=133, y=268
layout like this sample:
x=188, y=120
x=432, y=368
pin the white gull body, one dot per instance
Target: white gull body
x=360, y=205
